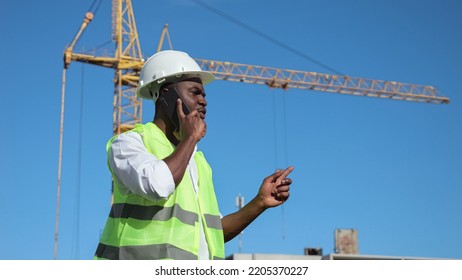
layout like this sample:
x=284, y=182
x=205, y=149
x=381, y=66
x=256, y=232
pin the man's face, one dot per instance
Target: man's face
x=192, y=93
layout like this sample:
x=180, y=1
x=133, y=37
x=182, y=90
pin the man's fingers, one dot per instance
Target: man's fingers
x=283, y=188
x=181, y=114
x=179, y=108
x=272, y=178
x=284, y=182
x=282, y=196
x=279, y=175
x=284, y=174
x=287, y=172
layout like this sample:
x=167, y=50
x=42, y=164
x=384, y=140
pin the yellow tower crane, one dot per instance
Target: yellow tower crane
x=128, y=61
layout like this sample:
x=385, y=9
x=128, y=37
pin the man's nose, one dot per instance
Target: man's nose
x=202, y=100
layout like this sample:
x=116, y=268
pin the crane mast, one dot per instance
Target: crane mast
x=126, y=62
x=127, y=107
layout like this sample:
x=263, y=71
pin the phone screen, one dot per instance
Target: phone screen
x=168, y=100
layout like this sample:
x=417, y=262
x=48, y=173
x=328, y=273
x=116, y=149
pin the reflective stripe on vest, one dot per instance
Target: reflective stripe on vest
x=146, y=252
x=154, y=212
x=161, y=251
x=138, y=228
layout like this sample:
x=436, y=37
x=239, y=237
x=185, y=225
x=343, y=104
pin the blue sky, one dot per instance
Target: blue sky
x=390, y=169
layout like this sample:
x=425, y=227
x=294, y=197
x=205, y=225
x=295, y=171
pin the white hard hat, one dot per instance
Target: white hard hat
x=164, y=65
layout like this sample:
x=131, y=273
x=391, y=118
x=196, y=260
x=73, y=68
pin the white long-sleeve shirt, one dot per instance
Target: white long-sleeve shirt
x=142, y=173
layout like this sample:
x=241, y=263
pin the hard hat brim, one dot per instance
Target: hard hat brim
x=148, y=90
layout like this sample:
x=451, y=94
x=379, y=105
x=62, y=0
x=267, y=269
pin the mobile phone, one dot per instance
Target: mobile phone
x=169, y=101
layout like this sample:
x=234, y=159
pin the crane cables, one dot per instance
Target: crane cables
x=95, y=6
x=265, y=36
x=76, y=222
x=91, y=11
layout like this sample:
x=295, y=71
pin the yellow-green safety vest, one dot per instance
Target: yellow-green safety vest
x=139, y=228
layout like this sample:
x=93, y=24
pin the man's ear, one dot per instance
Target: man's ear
x=164, y=89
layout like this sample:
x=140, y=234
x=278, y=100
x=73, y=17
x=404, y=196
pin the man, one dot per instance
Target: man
x=164, y=200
